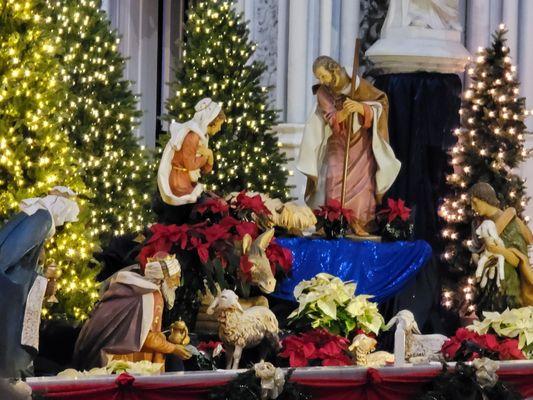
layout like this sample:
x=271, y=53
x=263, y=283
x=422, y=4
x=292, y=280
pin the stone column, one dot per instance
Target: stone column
x=281, y=65
x=297, y=56
x=349, y=31
x=478, y=24
x=326, y=14
x=510, y=19
x=525, y=59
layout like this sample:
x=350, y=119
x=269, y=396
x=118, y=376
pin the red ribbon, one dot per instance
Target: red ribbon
x=124, y=380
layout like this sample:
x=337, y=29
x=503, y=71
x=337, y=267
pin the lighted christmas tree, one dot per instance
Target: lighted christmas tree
x=216, y=64
x=35, y=153
x=490, y=146
x=100, y=118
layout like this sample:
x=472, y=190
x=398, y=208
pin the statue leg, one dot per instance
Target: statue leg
x=229, y=356
x=237, y=357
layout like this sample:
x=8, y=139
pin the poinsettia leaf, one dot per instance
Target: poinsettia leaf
x=328, y=307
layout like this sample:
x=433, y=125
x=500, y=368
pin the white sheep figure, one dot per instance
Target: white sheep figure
x=409, y=344
x=489, y=233
x=240, y=329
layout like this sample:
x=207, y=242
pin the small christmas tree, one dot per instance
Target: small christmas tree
x=490, y=146
x=215, y=64
x=101, y=115
x=35, y=153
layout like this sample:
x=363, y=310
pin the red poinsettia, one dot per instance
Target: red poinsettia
x=279, y=255
x=214, y=206
x=333, y=210
x=396, y=209
x=208, y=347
x=216, y=232
x=255, y=204
x=506, y=349
x=245, y=265
x=297, y=351
x=163, y=238
x=229, y=222
x=246, y=227
x=509, y=350
x=318, y=344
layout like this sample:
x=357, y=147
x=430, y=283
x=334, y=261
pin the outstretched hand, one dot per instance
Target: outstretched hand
x=182, y=352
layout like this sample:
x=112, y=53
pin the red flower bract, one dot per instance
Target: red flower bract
x=245, y=266
x=216, y=232
x=245, y=227
x=279, y=255
x=251, y=203
x=162, y=239
x=208, y=346
x=332, y=211
x=506, y=349
x=298, y=351
x=215, y=206
x=397, y=209
x=317, y=344
x=509, y=350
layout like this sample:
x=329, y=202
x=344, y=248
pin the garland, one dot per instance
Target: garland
x=248, y=386
x=466, y=382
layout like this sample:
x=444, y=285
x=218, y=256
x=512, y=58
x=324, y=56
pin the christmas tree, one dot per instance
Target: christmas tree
x=35, y=153
x=216, y=64
x=101, y=115
x=490, y=145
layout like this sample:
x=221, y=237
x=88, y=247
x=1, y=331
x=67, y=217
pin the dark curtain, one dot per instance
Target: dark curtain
x=423, y=113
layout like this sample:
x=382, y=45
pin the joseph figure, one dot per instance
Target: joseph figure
x=372, y=165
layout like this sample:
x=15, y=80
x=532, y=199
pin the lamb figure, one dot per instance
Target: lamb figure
x=362, y=348
x=488, y=232
x=240, y=329
x=410, y=344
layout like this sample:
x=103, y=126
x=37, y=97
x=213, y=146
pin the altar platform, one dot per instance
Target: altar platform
x=329, y=383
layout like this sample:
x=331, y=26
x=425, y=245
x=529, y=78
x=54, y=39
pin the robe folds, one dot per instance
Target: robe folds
x=120, y=323
x=372, y=166
x=21, y=241
x=517, y=237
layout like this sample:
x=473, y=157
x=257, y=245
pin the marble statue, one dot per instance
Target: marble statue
x=420, y=35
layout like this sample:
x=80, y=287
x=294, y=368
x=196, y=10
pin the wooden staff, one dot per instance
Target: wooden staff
x=349, y=132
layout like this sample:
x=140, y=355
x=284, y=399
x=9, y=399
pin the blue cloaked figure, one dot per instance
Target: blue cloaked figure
x=21, y=241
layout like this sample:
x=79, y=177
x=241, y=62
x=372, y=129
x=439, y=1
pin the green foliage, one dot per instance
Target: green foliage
x=246, y=386
x=216, y=64
x=490, y=146
x=35, y=152
x=101, y=114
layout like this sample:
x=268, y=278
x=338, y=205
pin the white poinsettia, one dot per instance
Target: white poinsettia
x=329, y=302
x=143, y=367
x=517, y=322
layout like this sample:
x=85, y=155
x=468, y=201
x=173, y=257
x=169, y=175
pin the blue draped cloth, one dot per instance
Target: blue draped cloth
x=380, y=269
